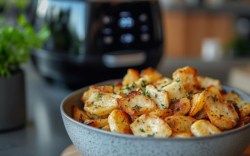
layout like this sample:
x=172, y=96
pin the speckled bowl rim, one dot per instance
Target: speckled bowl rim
x=127, y=136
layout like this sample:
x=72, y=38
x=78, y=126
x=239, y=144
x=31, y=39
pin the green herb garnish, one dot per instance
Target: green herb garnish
x=136, y=107
x=151, y=135
x=164, y=85
x=163, y=106
x=130, y=87
x=143, y=84
x=177, y=80
x=146, y=93
x=99, y=96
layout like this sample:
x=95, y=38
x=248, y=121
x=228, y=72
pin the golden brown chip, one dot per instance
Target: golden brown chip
x=100, y=101
x=150, y=75
x=97, y=123
x=203, y=128
x=221, y=113
x=79, y=115
x=245, y=111
x=208, y=81
x=119, y=122
x=201, y=114
x=181, y=106
x=188, y=76
x=235, y=99
x=244, y=121
x=159, y=97
x=197, y=103
x=175, y=90
x=180, y=124
x=162, y=83
x=131, y=76
x=117, y=88
x=162, y=113
x=150, y=125
x=136, y=104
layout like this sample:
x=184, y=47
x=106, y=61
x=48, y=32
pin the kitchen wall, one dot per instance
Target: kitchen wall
x=186, y=31
x=190, y=27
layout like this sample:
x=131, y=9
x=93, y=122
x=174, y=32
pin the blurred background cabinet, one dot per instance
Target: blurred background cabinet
x=186, y=31
x=190, y=24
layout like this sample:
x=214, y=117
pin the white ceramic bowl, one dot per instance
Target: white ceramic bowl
x=95, y=142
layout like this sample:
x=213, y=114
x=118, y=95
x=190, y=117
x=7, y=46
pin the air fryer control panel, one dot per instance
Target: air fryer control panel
x=122, y=26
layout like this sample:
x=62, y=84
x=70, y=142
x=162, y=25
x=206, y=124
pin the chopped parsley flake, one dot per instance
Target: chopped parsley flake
x=164, y=85
x=177, y=80
x=99, y=96
x=146, y=93
x=142, y=130
x=133, y=85
x=151, y=135
x=136, y=107
x=143, y=84
x=163, y=106
x=130, y=87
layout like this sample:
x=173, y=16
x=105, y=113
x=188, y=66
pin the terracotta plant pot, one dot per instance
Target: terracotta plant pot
x=12, y=101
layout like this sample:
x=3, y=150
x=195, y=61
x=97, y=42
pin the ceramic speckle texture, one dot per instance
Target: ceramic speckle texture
x=95, y=142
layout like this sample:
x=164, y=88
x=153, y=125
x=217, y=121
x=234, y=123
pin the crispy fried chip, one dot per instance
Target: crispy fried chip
x=159, y=97
x=208, y=81
x=79, y=114
x=180, y=124
x=131, y=76
x=221, y=113
x=175, y=90
x=197, y=103
x=136, y=104
x=150, y=125
x=188, y=76
x=162, y=113
x=235, y=99
x=119, y=122
x=150, y=75
x=100, y=101
x=203, y=128
x=245, y=110
x=181, y=106
x=162, y=83
x=97, y=123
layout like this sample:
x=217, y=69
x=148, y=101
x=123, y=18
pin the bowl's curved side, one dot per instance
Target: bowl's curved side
x=93, y=142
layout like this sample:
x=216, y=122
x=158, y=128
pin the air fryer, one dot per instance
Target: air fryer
x=93, y=41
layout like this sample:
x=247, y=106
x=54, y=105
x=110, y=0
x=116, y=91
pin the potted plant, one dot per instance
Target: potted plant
x=16, y=44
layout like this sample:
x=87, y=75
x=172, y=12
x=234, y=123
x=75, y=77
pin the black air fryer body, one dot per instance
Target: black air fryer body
x=92, y=41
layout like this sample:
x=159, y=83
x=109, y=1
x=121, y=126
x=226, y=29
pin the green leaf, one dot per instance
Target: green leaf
x=16, y=43
x=22, y=21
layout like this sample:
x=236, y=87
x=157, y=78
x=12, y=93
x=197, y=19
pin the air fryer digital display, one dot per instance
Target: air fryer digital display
x=122, y=26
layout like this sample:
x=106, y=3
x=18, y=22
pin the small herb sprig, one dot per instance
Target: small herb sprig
x=16, y=43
